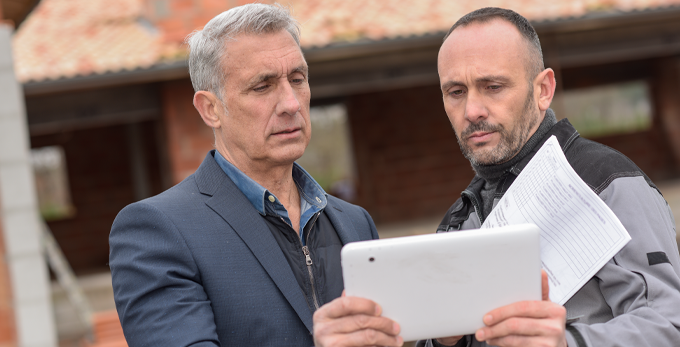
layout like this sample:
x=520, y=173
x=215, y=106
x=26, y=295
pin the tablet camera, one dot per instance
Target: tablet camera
x=371, y=259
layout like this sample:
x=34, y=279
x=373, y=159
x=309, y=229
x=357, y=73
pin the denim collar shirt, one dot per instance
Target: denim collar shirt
x=312, y=196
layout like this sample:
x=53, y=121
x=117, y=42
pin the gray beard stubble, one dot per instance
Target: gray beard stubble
x=510, y=143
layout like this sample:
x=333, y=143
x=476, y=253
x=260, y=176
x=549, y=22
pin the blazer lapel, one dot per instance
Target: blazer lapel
x=228, y=201
x=343, y=226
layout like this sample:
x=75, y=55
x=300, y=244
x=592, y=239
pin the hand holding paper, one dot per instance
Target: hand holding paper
x=579, y=233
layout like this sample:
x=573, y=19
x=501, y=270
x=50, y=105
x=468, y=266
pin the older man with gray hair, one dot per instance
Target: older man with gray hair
x=246, y=251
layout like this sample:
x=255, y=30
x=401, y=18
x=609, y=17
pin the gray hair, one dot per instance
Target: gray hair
x=535, y=54
x=207, y=46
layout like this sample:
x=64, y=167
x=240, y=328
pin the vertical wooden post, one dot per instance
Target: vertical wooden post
x=666, y=90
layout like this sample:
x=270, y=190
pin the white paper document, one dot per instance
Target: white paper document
x=579, y=232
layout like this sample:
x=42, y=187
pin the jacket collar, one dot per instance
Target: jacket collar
x=237, y=211
x=341, y=222
x=565, y=134
x=311, y=193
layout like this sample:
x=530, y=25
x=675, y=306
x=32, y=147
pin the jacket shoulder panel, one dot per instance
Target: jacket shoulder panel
x=598, y=165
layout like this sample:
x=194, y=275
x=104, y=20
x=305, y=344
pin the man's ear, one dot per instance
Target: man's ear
x=545, y=83
x=209, y=107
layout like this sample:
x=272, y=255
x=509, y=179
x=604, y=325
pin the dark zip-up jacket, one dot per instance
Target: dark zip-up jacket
x=316, y=265
x=634, y=300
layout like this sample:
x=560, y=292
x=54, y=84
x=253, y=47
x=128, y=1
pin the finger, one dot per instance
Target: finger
x=528, y=309
x=369, y=337
x=347, y=306
x=521, y=327
x=545, y=287
x=350, y=324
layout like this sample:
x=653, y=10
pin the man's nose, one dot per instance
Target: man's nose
x=475, y=110
x=288, y=101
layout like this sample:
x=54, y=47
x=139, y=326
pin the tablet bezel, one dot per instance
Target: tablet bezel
x=442, y=284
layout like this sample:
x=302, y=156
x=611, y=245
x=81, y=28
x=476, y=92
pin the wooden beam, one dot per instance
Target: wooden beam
x=15, y=11
x=665, y=91
x=56, y=113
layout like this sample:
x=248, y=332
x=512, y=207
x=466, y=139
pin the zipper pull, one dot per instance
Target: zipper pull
x=308, y=258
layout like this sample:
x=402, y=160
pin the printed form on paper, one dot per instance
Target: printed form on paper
x=579, y=232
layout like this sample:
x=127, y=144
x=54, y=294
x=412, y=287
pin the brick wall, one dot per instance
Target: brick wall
x=648, y=149
x=409, y=163
x=100, y=180
x=651, y=150
x=188, y=138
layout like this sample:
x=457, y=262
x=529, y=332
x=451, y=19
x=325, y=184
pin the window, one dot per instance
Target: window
x=51, y=181
x=328, y=157
x=608, y=110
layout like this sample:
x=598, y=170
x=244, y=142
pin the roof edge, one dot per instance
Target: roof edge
x=344, y=50
x=180, y=69
x=156, y=73
x=603, y=19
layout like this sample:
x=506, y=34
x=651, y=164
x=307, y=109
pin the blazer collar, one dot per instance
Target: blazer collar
x=209, y=175
x=237, y=211
x=211, y=179
x=341, y=222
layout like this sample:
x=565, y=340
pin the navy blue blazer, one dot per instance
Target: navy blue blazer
x=198, y=266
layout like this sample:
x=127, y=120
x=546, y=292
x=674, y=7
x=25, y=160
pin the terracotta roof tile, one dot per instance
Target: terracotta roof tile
x=67, y=38
x=347, y=20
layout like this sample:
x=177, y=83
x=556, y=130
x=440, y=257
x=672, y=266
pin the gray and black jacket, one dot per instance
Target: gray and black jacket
x=634, y=300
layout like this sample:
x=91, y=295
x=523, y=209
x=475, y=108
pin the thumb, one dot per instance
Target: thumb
x=545, y=288
x=343, y=292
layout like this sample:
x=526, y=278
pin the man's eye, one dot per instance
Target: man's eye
x=261, y=88
x=298, y=79
x=494, y=87
x=457, y=92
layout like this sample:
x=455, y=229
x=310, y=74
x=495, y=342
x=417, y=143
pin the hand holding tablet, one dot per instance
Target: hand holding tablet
x=527, y=323
x=353, y=321
x=444, y=284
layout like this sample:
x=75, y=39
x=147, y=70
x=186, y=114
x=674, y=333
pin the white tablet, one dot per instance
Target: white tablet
x=441, y=285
